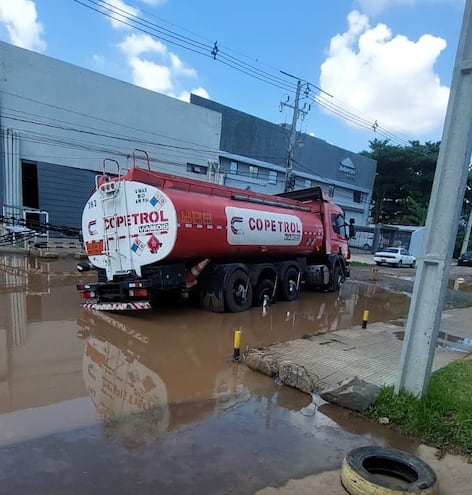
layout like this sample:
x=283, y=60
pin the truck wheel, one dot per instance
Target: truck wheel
x=288, y=289
x=384, y=470
x=263, y=288
x=337, y=279
x=238, y=296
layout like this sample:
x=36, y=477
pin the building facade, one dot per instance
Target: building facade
x=59, y=122
x=254, y=154
x=60, y=125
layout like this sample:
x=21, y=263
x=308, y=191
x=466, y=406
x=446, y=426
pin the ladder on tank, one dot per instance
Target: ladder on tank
x=109, y=190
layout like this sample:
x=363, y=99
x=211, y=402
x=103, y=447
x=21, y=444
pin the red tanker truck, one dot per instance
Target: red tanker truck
x=151, y=235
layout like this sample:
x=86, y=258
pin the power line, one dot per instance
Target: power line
x=212, y=50
x=124, y=17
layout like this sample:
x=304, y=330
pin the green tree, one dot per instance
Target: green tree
x=403, y=182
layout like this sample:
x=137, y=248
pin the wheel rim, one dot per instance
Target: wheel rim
x=240, y=293
x=289, y=287
x=292, y=286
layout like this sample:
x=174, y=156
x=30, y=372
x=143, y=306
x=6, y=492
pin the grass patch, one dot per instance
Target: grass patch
x=359, y=263
x=442, y=418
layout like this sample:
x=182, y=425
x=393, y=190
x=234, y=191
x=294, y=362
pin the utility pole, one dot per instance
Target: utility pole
x=297, y=111
x=289, y=182
x=434, y=263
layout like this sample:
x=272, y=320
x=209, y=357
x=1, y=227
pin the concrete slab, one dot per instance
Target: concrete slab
x=371, y=354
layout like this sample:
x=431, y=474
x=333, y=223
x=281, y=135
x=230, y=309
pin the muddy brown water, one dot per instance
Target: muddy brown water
x=96, y=402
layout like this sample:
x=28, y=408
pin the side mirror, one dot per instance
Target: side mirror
x=352, y=230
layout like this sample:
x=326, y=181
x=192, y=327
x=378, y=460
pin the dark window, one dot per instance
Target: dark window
x=357, y=197
x=29, y=171
x=196, y=169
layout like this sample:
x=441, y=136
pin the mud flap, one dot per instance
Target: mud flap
x=213, y=300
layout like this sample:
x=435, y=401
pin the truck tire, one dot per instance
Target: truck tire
x=289, y=286
x=386, y=471
x=336, y=280
x=264, y=288
x=238, y=292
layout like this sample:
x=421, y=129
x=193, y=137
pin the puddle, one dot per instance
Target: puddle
x=115, y=401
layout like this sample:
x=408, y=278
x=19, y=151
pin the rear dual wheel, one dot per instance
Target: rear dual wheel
x=290, y=284
x=238, y=296
x=264, y=291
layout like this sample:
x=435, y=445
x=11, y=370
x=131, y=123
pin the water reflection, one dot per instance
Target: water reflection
x=175, y=365
x=175, y=362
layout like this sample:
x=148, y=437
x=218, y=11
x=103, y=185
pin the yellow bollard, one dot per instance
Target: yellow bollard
x=237, y=345
x=365, y=318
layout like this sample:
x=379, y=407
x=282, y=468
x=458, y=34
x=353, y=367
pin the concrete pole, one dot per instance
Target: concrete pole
x=291, y=142
x=465, y=243
x=441, y=224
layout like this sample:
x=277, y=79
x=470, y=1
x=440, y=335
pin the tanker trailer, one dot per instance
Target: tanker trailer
x=151, y=236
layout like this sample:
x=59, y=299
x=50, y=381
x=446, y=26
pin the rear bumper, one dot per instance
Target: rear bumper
x=118, y=306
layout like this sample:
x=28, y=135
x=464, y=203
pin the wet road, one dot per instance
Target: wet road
x=106, y=403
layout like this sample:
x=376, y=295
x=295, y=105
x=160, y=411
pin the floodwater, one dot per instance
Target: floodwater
x=104, y=403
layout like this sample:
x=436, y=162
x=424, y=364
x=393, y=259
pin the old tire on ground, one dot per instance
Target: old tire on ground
x=386, y=471
x=263, y=288
x=238, y=292
x=289, y=286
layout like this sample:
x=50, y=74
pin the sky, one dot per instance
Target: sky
x=366, y=69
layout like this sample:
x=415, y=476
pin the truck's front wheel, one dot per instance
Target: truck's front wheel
x=337, y=279
x=238, y=294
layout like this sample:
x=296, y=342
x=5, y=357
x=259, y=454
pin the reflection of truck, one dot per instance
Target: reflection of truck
x=150, y=234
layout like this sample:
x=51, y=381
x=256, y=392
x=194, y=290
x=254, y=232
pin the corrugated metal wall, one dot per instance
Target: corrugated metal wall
x=63, y=192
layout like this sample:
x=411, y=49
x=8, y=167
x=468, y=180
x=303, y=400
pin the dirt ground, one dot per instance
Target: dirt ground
x=453, y=472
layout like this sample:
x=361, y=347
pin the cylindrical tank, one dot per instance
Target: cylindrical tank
x=128, y=224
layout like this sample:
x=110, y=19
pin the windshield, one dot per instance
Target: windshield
x=339, y=224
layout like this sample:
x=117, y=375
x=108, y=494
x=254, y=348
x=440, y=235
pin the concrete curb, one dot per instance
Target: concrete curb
x=325, y=362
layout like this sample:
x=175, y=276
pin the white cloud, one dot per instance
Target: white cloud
x=389, y=78
x=20, y=19
x=185, y=95
x=99, y=60
x=137, y=44
x=160, y=70
x=119, y=12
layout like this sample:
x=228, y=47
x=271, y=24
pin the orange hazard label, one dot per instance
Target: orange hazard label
x=94, y=248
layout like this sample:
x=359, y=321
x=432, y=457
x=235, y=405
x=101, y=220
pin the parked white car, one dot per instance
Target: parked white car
x=396, y=256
